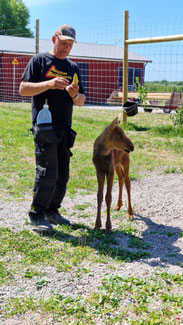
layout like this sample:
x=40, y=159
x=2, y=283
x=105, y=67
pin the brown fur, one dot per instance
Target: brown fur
x=111, y=151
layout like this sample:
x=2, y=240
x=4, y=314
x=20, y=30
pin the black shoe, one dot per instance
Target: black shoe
x=56, y=219
x=41, y=225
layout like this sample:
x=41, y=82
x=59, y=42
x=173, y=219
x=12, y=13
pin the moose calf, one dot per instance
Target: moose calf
x=111, y=151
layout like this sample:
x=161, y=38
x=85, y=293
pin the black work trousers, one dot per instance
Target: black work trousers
x=52, y=175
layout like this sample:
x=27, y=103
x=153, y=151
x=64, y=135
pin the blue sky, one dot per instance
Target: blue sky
x=53, y=13
x=100, y=21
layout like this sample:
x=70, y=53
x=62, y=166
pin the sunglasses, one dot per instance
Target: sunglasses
x=67, y=32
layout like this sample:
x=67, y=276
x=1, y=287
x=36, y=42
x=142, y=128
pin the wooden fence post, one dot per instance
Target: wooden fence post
x=125, y=64
x=37, y=37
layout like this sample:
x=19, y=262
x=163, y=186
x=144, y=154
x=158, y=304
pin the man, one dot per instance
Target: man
x=49, y=77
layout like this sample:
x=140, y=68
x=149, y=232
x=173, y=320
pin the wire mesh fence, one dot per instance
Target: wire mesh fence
x=99, y=55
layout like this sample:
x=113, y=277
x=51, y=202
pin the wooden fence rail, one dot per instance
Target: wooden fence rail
x=127, y=42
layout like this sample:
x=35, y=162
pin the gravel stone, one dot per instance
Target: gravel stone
x=157, y=201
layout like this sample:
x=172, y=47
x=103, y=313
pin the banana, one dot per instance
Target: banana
x=75, y=79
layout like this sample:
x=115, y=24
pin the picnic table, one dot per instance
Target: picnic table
x=167, y=101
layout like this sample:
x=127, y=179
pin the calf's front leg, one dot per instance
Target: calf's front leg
x=120, y=174
x=100, y=179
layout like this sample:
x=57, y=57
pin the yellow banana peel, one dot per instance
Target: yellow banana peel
x=75, y=79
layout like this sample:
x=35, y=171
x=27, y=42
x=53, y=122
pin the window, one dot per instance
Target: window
x=133, y=73
x=83, y=68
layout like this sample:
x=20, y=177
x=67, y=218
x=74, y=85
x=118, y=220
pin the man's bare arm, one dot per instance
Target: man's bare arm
x=79, y=100
x=35, y=88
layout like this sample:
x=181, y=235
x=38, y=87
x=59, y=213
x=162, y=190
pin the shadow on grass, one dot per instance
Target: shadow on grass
x=134, y=127
x=162, y=239
x=105, y=244
x=155, y=246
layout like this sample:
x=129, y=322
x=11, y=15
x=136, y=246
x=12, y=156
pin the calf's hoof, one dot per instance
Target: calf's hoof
x=130, y=216
x=117, y=208
x=108, y=228
x=118, y=205
x=97, y=227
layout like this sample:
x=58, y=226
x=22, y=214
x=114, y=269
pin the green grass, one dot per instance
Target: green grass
x=69, y=246
x=118, y=299
x=158, y=145
x=156, y=299
x=77, y=249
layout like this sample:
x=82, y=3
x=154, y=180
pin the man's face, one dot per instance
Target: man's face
x=62, y=47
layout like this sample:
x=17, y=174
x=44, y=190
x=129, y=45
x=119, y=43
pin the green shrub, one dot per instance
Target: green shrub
x=142, y=90
x=178, y=118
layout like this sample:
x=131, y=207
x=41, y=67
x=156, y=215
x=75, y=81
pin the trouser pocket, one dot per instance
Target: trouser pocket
x=45, y=133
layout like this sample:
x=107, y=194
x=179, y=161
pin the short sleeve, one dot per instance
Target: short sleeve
x=32, y=70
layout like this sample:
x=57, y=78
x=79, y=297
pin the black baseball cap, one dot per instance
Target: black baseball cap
x=66, y=32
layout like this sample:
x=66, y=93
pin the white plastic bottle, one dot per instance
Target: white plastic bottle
x=44, y=116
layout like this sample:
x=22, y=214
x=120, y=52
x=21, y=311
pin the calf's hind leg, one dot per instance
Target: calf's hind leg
x=128, y=188
x=120, y=174
x=108, y=200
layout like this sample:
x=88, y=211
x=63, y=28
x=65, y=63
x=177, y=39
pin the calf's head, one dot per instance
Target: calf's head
x=116, y=137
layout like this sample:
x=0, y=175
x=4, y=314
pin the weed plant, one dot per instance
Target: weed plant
x=78, y=250
x=158, y=146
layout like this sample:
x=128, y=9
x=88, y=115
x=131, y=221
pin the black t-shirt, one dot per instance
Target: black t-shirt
x=44, y=66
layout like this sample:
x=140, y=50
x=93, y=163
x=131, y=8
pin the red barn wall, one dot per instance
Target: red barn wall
x=10, y=76
x=101, y=77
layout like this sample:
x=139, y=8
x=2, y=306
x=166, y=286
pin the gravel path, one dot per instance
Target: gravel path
x=158, y=204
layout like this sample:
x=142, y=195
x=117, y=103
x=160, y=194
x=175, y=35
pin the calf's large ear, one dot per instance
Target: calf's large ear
x=115, y=123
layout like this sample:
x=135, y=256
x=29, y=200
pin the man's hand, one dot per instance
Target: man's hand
x=58, y=83
x=35, y=88
x=72, y=89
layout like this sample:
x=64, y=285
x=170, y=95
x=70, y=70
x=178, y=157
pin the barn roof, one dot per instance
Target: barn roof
x=22, y=45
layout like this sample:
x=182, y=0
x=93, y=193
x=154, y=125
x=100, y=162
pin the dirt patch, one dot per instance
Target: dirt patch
x=158, y=205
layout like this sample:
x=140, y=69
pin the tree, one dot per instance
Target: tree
x=164, y=82
x=14, y=18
